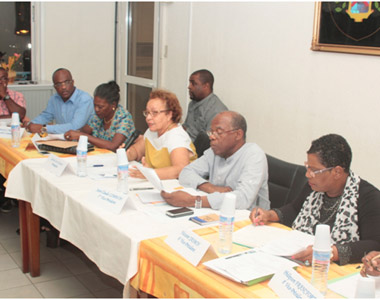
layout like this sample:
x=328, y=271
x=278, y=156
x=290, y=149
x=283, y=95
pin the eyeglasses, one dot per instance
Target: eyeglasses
x=217, y=133
x=154, y=113
x=60, y=84
x=4, y=78
x=316, y=172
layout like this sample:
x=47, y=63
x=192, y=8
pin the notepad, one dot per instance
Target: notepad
x=249, y=267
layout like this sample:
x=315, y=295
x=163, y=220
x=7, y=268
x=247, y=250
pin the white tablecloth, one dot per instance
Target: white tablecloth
x=110, y=240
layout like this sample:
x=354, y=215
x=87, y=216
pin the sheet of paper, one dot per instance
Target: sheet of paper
x=250, y=265
x=289, y=244
x=152, y=176
x=256, y=236
x=150, y=197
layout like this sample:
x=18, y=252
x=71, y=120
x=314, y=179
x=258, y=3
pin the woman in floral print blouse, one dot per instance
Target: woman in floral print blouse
x=111, y=125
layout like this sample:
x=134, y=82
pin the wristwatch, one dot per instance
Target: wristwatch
x=43, y=132
x=7, y=97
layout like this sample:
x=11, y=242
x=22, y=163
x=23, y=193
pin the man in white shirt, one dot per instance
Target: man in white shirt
x=230, y=166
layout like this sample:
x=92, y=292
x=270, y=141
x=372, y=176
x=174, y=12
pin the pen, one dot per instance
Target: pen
x=96, y=166
x=141, y=189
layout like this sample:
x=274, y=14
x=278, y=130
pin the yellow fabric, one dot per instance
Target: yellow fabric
x=165, y=274
x=161, y=158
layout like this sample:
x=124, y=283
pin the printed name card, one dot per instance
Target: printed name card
x=289, y=284
x=108, y=200
x=189, y=245
x=56, y=165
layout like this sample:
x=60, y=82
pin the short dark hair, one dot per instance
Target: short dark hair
x=332, y=150
x=205, y=76
x=238, y=122
x=171, y=102
x=60, y=69
x=108, y=91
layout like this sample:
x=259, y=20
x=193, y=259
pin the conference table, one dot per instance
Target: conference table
x=109, y=239
x=29, y=222
x=163, y=273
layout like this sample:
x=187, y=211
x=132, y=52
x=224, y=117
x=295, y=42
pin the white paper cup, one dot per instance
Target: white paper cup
x=82, y=143
x=322, y=240
x=365, y=288
x=228, y=205
x=15, y=118
x=122, y=158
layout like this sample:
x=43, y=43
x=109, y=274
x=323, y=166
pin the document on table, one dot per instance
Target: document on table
x=289, y=244
x=257, y=236
x=272, y=240
x=152, y=177
x=249, y=267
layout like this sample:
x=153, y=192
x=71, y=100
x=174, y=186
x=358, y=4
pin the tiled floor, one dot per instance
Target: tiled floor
x=65, y=271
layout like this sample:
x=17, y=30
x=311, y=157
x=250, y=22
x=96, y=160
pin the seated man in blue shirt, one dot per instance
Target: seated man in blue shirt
x=70, y=107
x=230, y=166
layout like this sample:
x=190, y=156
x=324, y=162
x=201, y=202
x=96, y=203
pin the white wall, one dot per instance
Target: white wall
x=260, y=56
x=79, y=36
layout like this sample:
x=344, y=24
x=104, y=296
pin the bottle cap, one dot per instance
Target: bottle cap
x=365, y=288
x=122, y=158
x=322, y=240
x=82, y=143
x=228, y=205
x=15, y=118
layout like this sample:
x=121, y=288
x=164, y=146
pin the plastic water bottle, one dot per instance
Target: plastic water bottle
x=321, y=258
x=226, y=223
x=82, y=156
x=15, y=130
x=122, y=171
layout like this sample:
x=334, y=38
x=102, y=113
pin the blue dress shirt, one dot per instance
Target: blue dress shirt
x=70, y=115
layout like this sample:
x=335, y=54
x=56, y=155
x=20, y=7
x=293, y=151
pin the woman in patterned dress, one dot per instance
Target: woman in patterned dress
x=111, y=125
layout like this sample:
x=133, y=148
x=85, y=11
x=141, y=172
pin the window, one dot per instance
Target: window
x=15, y=39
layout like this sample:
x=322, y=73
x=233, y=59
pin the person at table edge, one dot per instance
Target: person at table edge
x=111, y=124
x=10, y=101
x=70, y=107
x=335, y=196
x=232, y=166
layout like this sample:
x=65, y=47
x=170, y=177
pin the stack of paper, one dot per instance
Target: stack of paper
x=249, y=267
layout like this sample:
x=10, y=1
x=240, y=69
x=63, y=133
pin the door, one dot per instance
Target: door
x=137, y=56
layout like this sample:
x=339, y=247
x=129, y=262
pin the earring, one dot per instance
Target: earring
x=113, y=108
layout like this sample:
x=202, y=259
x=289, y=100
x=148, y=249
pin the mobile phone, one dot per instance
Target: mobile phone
x=179, y=212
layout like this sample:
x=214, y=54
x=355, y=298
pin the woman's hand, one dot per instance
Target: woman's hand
x=73, y=135
x=135, y=173
x=371, y=264
x=305, y=255
x=261, y=216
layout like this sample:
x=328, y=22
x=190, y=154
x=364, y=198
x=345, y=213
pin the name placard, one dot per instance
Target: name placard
x=289, y=284
x=108, y=200
x=189, y=245
x=56, y=165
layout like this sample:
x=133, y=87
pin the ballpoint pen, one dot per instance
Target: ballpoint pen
x=141, y=189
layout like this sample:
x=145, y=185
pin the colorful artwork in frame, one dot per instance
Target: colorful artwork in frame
x=349, y=27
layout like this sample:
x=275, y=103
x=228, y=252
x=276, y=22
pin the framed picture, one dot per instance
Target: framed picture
x=348, y=27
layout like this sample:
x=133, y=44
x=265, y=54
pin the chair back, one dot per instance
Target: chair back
x=201, y=143
x=285, y=181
